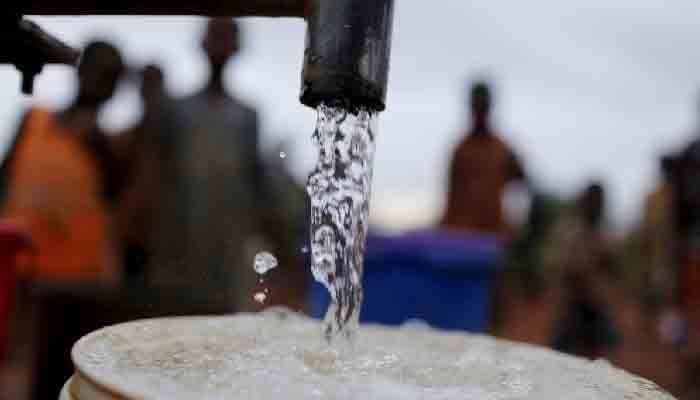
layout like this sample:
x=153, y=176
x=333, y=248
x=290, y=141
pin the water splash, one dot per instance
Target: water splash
x=339, y=188
x=260, y=297
x=264, y=261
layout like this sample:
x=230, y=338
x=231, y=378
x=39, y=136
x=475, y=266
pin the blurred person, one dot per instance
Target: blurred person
x=526, y=255
x=147, y=152
x=688, y=224
x=687, y=316
x=482, y=166
x=659, y=235
x=583, y=256
x=526, y=285
x=682, y=322
x=61, y=178
x=219, y=184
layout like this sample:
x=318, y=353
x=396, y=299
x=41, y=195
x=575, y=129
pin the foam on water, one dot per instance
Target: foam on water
x=276, y=354
x=339, y=188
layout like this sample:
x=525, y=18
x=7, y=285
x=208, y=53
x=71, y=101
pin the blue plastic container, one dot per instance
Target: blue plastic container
x=442, y=278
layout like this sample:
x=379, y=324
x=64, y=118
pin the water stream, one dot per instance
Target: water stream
x=339, y=188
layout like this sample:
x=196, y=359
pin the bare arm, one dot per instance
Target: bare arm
x=516, y=172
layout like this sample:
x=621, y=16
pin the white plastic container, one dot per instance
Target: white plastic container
x=280, y=355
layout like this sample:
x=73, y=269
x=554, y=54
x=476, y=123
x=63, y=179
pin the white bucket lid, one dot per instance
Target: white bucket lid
x=279, y=355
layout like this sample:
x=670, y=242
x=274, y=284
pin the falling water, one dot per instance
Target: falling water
x=264, y=261
x=339, y=188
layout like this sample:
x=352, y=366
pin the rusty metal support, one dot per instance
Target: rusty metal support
x=25, y=45
x=347, y=52
x=211, y=8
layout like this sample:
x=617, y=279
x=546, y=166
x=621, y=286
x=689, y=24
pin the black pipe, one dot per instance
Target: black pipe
x=347, y=43
x=211, y=8
x=347, y=53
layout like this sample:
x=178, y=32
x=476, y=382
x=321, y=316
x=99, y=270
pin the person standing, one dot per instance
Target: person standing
x=61, y=178
x=583, y=258
x=218, y=185
x=147, y=152
x=482, y=165
x=659, y=236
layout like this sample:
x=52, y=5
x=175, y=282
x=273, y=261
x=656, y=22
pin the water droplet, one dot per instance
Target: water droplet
x=260, y=297
x=264, y=261
x=283, y=154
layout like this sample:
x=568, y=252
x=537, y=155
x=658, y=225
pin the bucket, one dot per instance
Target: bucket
x=278, y=354
x=68, y=311
x=440, y=277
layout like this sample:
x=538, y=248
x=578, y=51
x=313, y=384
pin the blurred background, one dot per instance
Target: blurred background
x=569, y=78
x=573, y=225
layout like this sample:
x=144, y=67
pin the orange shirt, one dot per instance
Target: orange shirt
x=55, y=191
